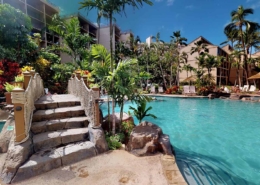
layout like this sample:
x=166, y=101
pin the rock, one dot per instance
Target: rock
x=234, y=96
x=6, y=135
x=147, y=138
x=222, y=97
x=105, y=124
x=16, y=156
x=165, y=144
x=211, y=96
x=246, y=99
x=97, y=136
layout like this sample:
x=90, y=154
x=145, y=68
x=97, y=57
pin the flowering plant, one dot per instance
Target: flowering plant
x=8, y=70
x=173, y=90
x=27, y=68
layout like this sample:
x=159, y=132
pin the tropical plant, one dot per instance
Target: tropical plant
x=244, y=33
x=9, y=70
x=74, y=42
x=19, y=78
x=200, y=48
x=14, y=29
x=114, y=141
x=9, y=87
x=108, y=9
x=141, y=111
x=127, y=127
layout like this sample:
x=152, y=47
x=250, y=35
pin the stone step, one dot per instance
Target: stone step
x=58, y=113
x=59, y=124
x=47, y=140
x=45, y=161
x=56, y=101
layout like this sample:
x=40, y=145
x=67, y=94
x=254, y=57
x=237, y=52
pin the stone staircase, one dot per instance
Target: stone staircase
x=60, y=136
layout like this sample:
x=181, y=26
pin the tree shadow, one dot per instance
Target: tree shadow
x=207, y=170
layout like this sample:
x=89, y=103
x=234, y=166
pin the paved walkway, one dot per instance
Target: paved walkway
x=116, y=167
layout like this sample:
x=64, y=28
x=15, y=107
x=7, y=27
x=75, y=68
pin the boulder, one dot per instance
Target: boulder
x=6, y=135
x=16, y=156
x=148, y=138
x=107, y=127
x=97, y=136
x=234, y=96
x=211, y=96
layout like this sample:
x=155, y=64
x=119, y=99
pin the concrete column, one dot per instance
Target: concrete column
x=97, y=123
x=85, y=79
x=18, y=114
x=78, y=75
x=27, y=77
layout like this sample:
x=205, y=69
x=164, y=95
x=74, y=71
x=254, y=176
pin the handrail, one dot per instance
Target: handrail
x=24, y=102
x=87, y=98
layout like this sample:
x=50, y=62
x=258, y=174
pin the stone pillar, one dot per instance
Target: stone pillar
x=27, y=77
x=85, y=79
x=97, y=123
x=78, y=75
x=32, y=72
x=18, y=102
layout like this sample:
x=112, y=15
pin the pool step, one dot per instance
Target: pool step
x=47, y=160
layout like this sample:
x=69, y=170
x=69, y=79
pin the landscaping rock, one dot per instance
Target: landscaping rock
x=211, y=96
x=105, y=124
x=234, y=96
x=97, y=136
x=16, y=156
x=6, y=135
x=148, y=138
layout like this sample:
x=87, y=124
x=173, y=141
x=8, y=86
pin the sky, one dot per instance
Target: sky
x=193, y=18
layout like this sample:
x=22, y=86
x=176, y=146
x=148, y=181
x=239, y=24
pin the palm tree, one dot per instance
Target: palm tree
x=179, y=41
x=99, y=5
x=235, y=58
x=200, y=48
x=111, y=7
x=242, y=25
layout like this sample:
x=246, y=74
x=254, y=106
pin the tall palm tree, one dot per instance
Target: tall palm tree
x=95, y=4
x=179, y=41
x=200, y=48
x=239, y=22
x=111, y=7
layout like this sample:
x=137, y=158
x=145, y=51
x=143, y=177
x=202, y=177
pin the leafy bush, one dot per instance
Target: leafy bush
x=114, y=141
x=127, y=127
x=205, y=90
x=173, y=90
x=19, y=78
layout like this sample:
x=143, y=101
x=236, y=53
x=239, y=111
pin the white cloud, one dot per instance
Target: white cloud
x=189, y=7
x=170, y=2
x=256, y=5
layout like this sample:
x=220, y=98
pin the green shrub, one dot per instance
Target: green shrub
x=114, y=141
x=127, y=127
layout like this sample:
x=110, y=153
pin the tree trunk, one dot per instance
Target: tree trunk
x=111, y=41
x=163, y=76
x=171, y=76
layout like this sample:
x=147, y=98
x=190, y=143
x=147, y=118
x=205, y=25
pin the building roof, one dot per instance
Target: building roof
x=201, y=38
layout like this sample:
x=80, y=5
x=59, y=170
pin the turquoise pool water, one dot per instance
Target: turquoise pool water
x=1, y=125
x=215, y=141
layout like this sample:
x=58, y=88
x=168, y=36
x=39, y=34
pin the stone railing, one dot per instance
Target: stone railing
x=88, y=98
x=23, y=101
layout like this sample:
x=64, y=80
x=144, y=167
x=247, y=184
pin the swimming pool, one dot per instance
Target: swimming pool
x=1, y=125
x=215, y=141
